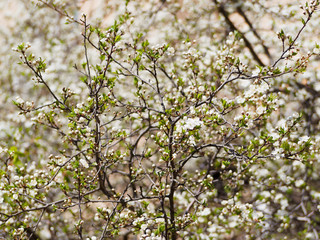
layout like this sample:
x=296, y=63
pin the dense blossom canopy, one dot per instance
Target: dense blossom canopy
x=160, y=119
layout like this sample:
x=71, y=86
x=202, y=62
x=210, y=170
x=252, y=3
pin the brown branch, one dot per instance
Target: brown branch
x=234, y=28
x=265, y=48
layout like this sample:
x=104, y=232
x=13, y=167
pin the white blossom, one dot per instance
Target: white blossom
x=84, y=163
x=299, y=183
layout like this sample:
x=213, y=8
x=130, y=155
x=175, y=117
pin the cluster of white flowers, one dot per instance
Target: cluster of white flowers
x=256, y=89
x=188, y=124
